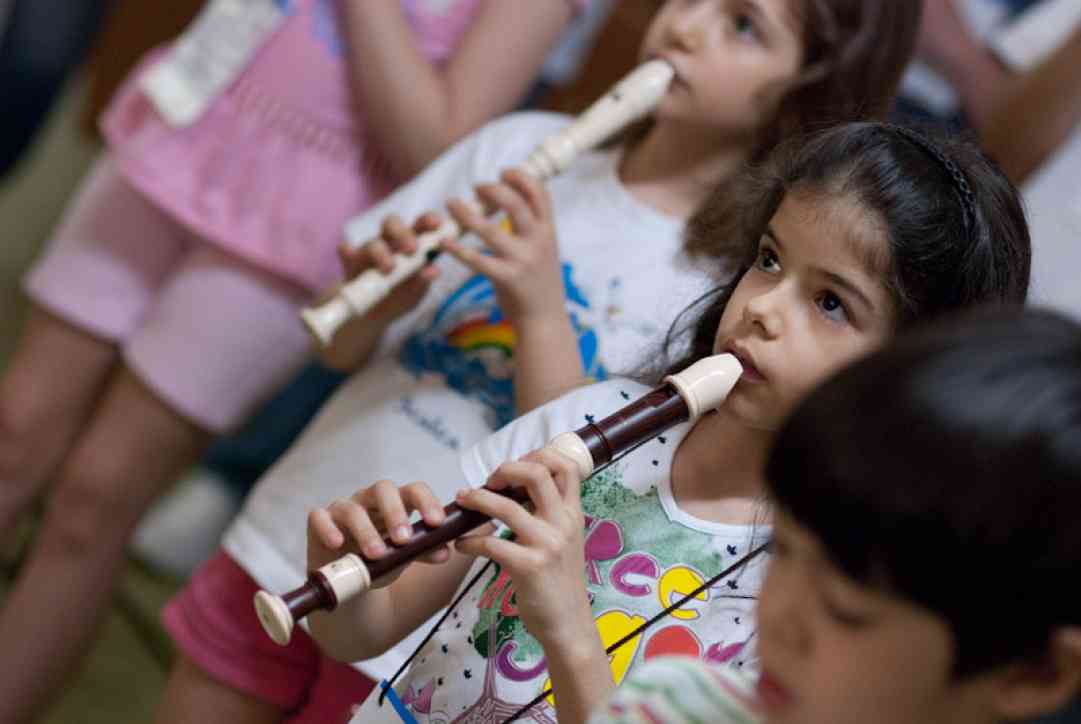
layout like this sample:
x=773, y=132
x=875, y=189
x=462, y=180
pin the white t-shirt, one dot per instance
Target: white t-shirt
x=1053, y=205
x=441, y=377
x=643, y=553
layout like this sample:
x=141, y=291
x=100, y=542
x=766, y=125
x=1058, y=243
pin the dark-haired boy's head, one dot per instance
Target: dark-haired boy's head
x=932, y=491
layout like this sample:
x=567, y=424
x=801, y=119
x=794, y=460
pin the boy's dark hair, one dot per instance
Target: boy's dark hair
x=954, y=224
x=946, y=469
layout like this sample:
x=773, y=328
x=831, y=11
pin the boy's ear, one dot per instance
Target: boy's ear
x=1028, y=689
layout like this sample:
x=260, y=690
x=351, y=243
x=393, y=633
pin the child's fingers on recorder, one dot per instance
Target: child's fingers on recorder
x=537, y=481
x=326, y=539
x=563, y=470
x=399, y=236
x=353, y=519
x=372, y=254
x=472, y=219
x=403, y=238
x=525, y=525
x=509, y=199
x=323, y=530
x=389, y=506
x=395, y=237
x=531, y=190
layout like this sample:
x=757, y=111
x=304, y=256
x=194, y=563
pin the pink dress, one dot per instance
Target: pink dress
x=278, y=163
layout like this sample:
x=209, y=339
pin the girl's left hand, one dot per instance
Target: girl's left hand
x=546, y=561
x=523, y=265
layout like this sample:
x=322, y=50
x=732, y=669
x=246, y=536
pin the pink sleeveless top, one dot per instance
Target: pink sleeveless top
x=281, y=159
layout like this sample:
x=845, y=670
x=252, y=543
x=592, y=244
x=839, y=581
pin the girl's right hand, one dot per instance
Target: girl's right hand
x=362, y=521
x=395, y=237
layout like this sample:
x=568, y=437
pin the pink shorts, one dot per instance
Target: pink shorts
x=209, y=333
x=214, y=624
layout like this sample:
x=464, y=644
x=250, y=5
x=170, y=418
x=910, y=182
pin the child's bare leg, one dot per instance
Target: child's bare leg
x=193, y=696
x=133, y=445
x=46, y=394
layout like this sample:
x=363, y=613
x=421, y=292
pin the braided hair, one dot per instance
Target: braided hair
x=966, y=198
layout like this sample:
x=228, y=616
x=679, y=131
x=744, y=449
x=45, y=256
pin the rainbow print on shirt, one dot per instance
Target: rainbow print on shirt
x=482, y=334
x=471, y=345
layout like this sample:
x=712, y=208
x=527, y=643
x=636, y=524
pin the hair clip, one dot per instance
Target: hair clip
x=961, y=185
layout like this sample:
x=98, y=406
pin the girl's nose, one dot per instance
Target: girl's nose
x=781, y=611
x=686, y=31
x=763, y=312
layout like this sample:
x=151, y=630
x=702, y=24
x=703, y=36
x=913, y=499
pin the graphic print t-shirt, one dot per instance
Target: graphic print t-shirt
x=678, y=690
x=440, y=380
x=642, y=554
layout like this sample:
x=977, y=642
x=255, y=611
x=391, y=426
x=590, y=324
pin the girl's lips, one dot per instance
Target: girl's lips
x=772, y=695
x=750, y=372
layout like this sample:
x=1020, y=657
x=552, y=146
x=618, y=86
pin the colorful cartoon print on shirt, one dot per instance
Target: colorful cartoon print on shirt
x=482, y=665
x=471, y=345
x=622, y=577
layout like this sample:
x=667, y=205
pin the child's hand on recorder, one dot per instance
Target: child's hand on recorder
x=355, y=341
x=360, y=523
x=395, y=237
x=523, y=265
x=546, y=559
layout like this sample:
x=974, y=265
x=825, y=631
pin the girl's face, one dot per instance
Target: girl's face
x=734, y=60
x=814, y=300
x=835, y=651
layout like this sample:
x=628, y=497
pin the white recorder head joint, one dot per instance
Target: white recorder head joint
x=706, y=384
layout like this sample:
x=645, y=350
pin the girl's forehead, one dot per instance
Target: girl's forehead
x=793, y=13
x=837, y=229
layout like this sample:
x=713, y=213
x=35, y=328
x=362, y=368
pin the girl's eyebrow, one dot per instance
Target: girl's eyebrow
x=765, y=22
x=841, y=281
x=849, y=286
x=770, y=23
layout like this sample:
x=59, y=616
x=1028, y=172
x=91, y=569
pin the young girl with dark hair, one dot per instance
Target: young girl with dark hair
x=861, y=230
x=924, y=539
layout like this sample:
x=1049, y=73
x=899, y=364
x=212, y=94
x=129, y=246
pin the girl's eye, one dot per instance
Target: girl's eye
x=844, y=616
x=767, y=260
x=832, y=306
x=745, y=25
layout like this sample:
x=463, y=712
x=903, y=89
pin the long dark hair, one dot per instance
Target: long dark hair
x=855, y=52
x=946, y=469
x=954, y=224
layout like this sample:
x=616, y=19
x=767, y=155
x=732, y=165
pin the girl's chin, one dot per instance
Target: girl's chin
x=747, y=413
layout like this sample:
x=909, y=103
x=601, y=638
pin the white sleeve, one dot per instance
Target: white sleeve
x=478, y=158
x=1038, y=33
x=535, y=429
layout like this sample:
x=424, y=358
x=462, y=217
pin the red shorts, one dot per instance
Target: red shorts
x=214, y=624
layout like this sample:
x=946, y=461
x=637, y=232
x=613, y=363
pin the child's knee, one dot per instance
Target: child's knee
x=31, y=434
x=90, y=506
x=17, y=430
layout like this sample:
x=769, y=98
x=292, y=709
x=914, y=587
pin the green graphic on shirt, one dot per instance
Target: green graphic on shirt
x=604, y=495
x=659, y=560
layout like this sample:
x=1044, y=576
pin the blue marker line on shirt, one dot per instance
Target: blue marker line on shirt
x=399, y=707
